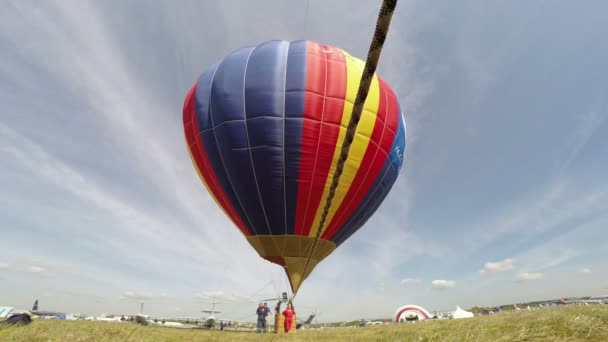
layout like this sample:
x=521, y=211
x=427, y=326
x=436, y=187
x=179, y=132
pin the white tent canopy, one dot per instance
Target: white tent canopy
x=459, y=313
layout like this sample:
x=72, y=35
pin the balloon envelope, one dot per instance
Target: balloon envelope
x=264, y=127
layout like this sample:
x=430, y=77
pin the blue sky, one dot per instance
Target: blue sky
x=503, y=195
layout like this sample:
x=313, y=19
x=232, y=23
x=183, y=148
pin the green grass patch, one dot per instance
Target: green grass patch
x=574, y=323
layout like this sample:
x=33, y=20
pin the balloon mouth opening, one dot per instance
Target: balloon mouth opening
x=292, y=252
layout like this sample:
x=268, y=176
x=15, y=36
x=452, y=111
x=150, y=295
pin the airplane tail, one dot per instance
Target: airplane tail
x=35, y=307
x=310, y=318
x=307, y=322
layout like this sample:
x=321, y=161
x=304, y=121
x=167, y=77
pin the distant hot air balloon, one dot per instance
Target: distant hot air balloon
x=264, y=127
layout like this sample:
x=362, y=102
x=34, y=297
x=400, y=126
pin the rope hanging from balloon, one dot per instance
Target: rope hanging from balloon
x=373, y=56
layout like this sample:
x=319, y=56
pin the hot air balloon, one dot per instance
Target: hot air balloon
x=264, y=127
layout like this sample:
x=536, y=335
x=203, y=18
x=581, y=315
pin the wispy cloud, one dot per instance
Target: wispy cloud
x=582, y=133
x=157, y=232
x=410, y=281
x=221, y=296
x=143, y=296
x=585, y=270
x=443, y=284
x=559, y=203
x=37, y=161
x=31, y=265
x=547, y=256
x=34, y=269
x=498, y=266
x=529, y=276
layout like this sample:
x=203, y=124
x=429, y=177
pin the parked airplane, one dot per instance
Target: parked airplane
x=210, y=322
x=46, y=314
x=105, y=319
x=145, y=320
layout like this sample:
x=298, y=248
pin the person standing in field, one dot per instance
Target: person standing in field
x=261, y=312
x=266, y=314
x=289, y=313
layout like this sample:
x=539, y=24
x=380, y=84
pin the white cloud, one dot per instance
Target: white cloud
x=585, y=270
x=410, y=281
x=34, y=269
x=3, y=265
x=529, y=276
x=587, y=127
x=35, y=158
x=143, y=296
x=443, y=284
x=133, y=225
x=498, y=266
x=221, y=296
x=74, y=269
x=549, y=254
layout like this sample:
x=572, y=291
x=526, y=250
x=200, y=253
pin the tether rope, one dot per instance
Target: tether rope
x=373, y=56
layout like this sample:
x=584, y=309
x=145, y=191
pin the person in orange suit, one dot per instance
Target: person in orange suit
x=289, y=313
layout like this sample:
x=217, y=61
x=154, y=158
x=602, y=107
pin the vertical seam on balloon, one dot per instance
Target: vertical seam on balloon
x=371, y=165
x=314, y=169
x=217, y=143
x=255, y=178
x=284, y=121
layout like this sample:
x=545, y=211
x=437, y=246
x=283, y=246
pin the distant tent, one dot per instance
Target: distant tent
x=410, y=313
x=19, y=319
x=459, y=313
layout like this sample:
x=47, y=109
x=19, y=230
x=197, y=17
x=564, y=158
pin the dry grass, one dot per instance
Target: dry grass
x=577, y=323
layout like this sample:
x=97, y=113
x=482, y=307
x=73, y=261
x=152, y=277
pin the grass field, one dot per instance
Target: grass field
x=575, y=323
